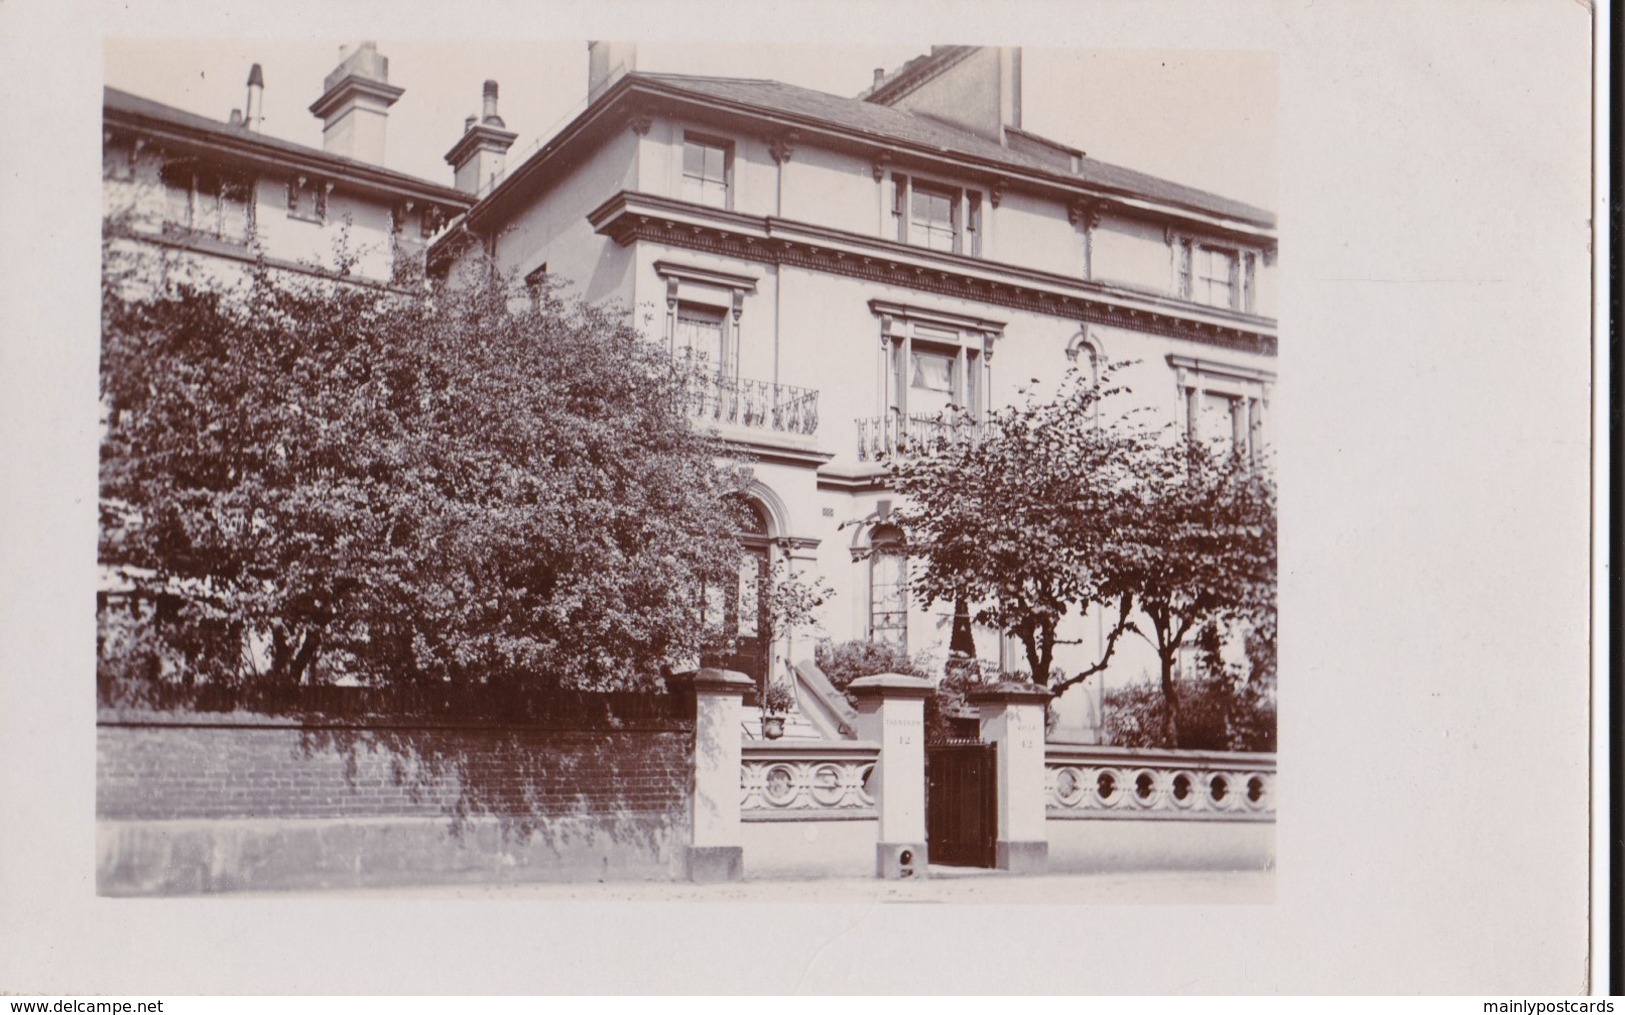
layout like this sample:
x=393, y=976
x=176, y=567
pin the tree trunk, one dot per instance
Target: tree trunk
x=307, y=655
x=1170, y=701
x=961, y=641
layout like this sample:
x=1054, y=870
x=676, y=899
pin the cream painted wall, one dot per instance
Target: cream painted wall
x=835, y=189
x=553, y=229
x=1131, y=252
x=1034, y=232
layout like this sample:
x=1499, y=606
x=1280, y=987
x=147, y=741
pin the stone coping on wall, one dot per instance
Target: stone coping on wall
x=1107, y=754
x=114, y=717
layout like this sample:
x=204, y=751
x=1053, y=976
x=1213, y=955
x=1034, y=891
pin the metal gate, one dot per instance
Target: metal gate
x=961, y=804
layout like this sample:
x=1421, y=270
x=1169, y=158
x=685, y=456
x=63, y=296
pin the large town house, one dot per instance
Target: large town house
x=843, y=268
x=849, y=267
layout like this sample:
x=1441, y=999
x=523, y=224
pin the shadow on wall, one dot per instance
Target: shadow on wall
x=632, y=783
x=240, y=802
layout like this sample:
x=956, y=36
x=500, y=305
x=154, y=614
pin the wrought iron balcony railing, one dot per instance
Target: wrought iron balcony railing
x=736, y=401
x=896, y=434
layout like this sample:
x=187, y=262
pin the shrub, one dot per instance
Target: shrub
x=1216, y=713
x=847, y=661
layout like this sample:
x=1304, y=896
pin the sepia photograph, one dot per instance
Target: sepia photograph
x=745, y=480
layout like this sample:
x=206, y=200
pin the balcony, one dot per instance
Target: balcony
x=896, y=434
x=757, y=405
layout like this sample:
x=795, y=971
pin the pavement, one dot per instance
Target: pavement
x=942, y=885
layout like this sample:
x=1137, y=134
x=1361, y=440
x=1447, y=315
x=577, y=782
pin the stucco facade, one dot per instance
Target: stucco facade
x=830, y=243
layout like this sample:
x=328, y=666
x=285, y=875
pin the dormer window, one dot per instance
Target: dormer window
x=203, y=201
x=707, y=171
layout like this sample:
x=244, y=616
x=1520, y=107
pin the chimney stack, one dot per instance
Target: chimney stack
x=355, y=104
x=880, y=76
x=254, y=116
x=607, y=63
x=479, y=157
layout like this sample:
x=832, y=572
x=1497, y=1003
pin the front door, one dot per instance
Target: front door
x=745, y=616
x=961, y=804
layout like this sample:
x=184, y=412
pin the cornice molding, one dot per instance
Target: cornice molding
x=706, y=276
x=631, y=216
x=352, y=86
x=477, y=137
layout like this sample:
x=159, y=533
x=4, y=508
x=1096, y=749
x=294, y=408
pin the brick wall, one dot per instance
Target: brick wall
x=528, y=803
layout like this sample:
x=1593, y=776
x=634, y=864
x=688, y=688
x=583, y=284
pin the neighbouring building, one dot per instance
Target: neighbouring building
x=214, y=195
x=847, y=267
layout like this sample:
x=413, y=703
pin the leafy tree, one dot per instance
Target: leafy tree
x=1065, y=506
x=311, y=478
x=1015, y=519
x=1197, y=549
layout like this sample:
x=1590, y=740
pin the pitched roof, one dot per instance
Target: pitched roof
x=889, y=123
x=125, y=106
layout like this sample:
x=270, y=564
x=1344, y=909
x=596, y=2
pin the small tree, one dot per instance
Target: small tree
x=315, y=479
x=793, y=601
x=1015, y=519
x=1198, y=549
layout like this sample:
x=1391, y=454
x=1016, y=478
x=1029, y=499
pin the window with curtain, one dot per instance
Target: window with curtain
x=931, y=381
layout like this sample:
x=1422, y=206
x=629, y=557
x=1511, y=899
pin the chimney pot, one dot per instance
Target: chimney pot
x=236, y=118
x=489, y=114
x=480, y=156
x=880, y=74
x=254, y=109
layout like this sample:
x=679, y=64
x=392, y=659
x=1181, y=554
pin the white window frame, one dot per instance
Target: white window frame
x=964, y=213
x=707, y=141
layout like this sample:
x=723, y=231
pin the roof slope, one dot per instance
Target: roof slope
x=923, y=131
x=117, y=101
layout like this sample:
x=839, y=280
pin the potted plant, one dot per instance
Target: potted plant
x=777, y=700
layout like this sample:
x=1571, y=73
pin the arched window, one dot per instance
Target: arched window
x=888, y=587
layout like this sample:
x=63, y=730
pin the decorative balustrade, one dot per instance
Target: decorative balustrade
x=1115, y=782
x=737, y=401
x=896, y=434
x=820, y=780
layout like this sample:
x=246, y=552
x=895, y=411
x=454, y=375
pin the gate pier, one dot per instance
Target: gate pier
x=1012, y=719
x=891, y=711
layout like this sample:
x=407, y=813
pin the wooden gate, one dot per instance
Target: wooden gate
x=961, y=804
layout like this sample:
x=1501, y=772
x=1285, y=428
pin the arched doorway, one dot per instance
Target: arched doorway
x=748, y=641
